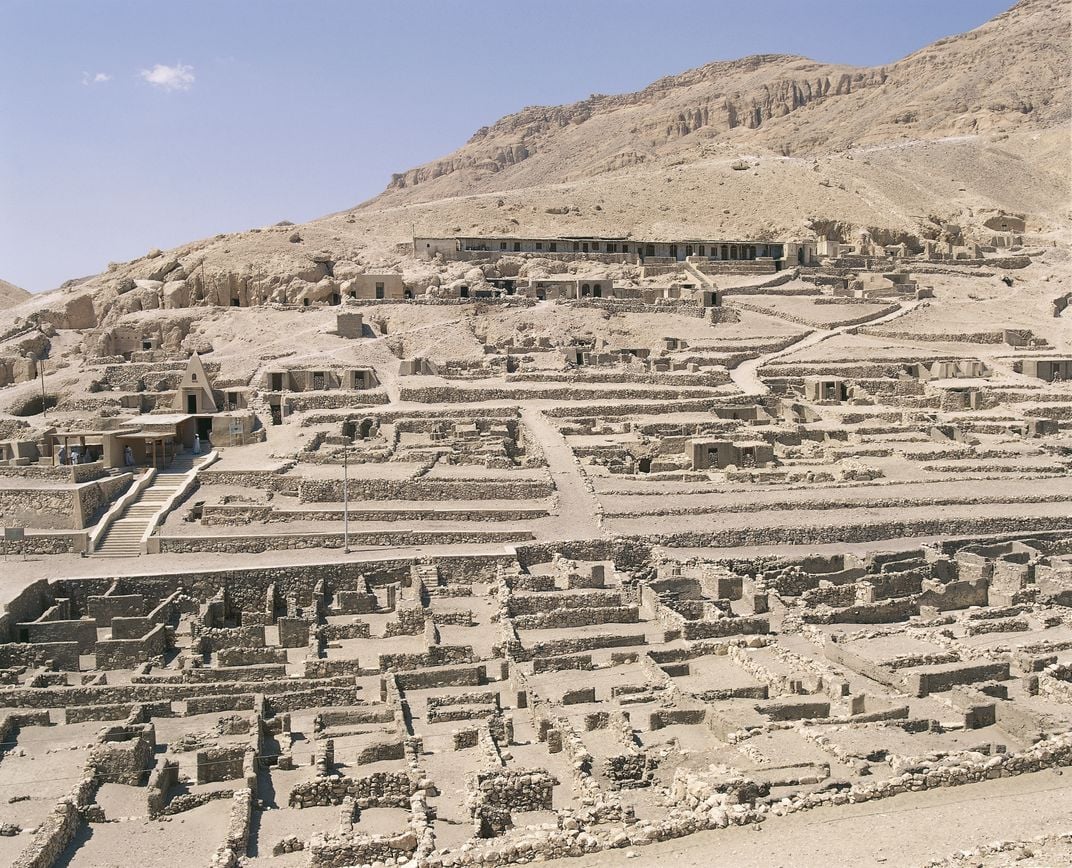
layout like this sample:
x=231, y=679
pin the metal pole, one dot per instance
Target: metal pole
x=346, y=499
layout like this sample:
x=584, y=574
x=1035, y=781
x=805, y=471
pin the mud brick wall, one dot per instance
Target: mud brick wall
x=330, y=490
x=51, y=837
x=467, y=676
x=124, y=762
x=535, y=604
x=161, y=780
x=578, y=617
x=944, y=676
x=437, y=655
x=314, y=697
x=212, y=639
x=885, y=612
x=129, y=653
x=105, y=607
x=238, y=656
x=903, y=584
x=519, y=790
x=281, y=695
x=70, y=507
x=378, y=790
x=62, y=655
x=559, y=647
x=380, y=752
x=215, y=704
x=247, y=674
x=261, y=543
x=115, y=711
x=355, y=602
x=348, y=716
x=557, y=664
x=334, y=632
x=725, y=627
x=267, y=480
x=331, y=851
x=333, y=667
x=220, y=764
x=82, y=631
x=245, y=588
x=27, y=605
x=293, y=632
x=863, y=532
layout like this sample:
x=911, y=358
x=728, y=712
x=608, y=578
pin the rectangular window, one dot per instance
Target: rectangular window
x=502, y=245
x=539, y=245
x=517, y=246
x=554, y=247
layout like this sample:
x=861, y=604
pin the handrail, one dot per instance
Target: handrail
x=181, y=493
x=129, y=496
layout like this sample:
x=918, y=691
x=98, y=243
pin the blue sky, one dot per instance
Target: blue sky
x=132, y=124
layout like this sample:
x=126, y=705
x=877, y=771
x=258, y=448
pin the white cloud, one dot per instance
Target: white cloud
x=95, y=78
x=177, y=77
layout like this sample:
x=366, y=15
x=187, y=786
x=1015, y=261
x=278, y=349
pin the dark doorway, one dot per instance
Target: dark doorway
x=191, y=404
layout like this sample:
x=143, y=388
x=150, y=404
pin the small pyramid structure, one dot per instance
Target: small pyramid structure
x=194, y=394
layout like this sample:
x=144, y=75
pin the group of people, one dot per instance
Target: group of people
x=77, y=455
x=84, y=455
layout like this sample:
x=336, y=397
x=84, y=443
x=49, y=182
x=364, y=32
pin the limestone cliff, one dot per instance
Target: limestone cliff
x=1011, y=73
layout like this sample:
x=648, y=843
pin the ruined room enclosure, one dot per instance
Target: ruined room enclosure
x=463, y=710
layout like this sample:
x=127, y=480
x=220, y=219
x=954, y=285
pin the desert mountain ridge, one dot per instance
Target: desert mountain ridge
x=1009, y=74
x=768, y=147
x=11, y=295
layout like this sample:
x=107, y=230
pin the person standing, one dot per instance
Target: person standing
x=197, y=444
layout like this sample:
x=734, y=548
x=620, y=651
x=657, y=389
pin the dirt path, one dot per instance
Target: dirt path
x=575, y=515
x=747, y=379
x=906, y=830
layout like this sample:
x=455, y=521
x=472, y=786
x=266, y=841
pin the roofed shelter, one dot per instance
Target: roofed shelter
x=150, y=448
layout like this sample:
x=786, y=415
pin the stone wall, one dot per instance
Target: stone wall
x=378, y=790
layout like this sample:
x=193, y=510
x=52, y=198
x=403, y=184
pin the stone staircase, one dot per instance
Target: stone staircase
x=123, y=538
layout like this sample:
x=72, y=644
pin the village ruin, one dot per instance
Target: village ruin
x=630, y=556
x=668, y=507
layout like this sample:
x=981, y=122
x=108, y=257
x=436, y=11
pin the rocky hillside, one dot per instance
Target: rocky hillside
x=11, y=295
x=1010, y=74
x=764, y=147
